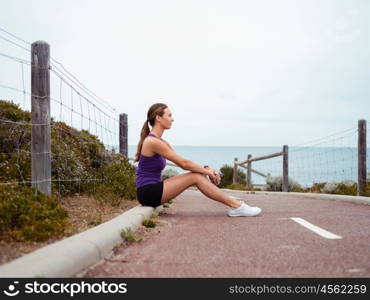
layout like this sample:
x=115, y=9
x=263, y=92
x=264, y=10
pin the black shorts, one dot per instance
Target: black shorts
x=150, y=194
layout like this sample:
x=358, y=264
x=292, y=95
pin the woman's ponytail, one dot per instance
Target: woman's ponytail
x=144, y=132
x=154, y=110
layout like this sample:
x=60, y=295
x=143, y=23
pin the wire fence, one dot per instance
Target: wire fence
x=331, y=159
x=78, y=117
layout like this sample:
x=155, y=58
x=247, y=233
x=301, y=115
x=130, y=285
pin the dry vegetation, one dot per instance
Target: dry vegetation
x=83, y=213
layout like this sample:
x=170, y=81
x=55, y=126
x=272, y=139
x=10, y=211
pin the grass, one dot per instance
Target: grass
x=95, y=222
x=150, y=223
x=154, y=215
x=129, y=236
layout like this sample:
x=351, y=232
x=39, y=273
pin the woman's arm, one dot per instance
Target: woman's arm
x=214, y=176
x=163, y=149
x=194, y=167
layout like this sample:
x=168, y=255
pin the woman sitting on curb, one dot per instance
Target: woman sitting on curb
x=152, y=152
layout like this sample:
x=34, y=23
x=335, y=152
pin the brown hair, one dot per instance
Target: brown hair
x=154, y=110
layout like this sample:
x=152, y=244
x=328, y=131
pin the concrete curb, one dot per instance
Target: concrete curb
x=73, y=254
x=358, y=199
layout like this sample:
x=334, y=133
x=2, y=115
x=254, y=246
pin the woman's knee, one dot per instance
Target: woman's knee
x=177, y=184
x=188, y=179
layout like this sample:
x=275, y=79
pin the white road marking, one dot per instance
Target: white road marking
x=324, y=233
x=354, y=270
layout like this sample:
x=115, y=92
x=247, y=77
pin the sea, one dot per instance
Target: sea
x=307, y=165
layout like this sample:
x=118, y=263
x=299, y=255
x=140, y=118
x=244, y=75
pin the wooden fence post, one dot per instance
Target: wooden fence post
x=123, y=128
x=249, y=172
x=285, y=169
x=235, y=172
x=40, y=116
x=361, y=180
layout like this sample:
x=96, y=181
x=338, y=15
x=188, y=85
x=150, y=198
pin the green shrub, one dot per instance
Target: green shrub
x=329, y=188
x=275, y=183
x=79, y=164
x=347, y=187
x=15, y=143
x=226, y=173
x=75, y=155
x=26, y=214
x=316, y=187
x=12, y=112
x=118, y=181
x=236, y=186
x=367, y=192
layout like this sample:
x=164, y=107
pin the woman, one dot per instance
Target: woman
x=152, y=152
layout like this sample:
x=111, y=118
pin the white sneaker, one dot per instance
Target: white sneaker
x=244, y=210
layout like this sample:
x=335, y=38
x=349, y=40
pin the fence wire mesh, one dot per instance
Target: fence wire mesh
x=84, y=128
x=328, y=160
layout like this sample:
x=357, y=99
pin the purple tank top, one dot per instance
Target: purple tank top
x=149, y=169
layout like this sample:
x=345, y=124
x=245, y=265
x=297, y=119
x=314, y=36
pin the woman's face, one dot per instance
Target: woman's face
x=167, y=119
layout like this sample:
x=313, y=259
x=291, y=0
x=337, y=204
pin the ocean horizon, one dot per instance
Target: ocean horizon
x=307, y=165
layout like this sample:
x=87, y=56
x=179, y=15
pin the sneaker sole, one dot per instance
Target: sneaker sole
x=244, y=215
x=249, y=215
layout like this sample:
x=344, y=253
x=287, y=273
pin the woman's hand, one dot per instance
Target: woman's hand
x=214, y=176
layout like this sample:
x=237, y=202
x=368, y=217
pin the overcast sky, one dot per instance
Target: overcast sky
x=234, y=73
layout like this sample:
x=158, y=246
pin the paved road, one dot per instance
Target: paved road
x=200, y=240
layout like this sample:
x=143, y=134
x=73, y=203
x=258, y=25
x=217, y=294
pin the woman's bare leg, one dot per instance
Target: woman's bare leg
x=177, y=184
